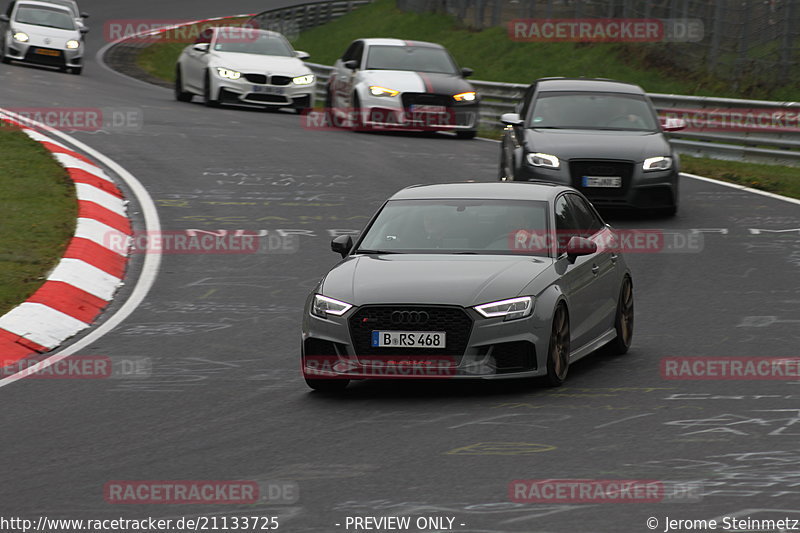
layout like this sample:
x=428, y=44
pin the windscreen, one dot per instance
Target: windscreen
x=454, y=226
x=592, y=111
x=249, y=42
x=416, y=58
x=43, y=16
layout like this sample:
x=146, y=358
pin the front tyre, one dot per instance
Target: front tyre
x=327, y=385
x=180, y=94
x=623, y=320
x=558, y=351
x=76, y=70
x=466, y=134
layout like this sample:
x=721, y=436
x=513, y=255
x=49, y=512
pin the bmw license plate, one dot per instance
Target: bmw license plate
x=408, y=339
x=266, y=89
x=602, y=181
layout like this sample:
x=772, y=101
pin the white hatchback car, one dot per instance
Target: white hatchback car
x=42, y=33
x=231, y=65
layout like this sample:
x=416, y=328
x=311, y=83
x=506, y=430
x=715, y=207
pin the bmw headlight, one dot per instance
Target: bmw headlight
x=543, y=160
x=308, y=79
x=324, y=306
x=510, y=309
x=657, y=163
x=464, y=97
x=228, y=73
x=376, y=90
x=72, y=44
x=21, y=37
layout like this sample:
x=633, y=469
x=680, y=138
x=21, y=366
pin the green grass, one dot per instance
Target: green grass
x=37, y=215
x=771, y=178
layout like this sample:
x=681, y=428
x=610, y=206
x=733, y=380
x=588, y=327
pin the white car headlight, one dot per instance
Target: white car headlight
x=307, y=79
x=228, y=73
x=657, y=163
x=324, y=306
x=510, y=309
x=464, y=97
x=543, y=160
x=21, y=37
x=72, y=44
x=377, y=90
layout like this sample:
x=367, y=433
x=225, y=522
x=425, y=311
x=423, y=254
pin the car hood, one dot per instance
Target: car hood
x=590, y=144
x=417, y=82
x=464, y=280
x=285, y=66
x=39, y=33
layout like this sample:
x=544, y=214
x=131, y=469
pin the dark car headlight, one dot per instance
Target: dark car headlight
x=657, y=163
x=322, y=306
x=509, y=309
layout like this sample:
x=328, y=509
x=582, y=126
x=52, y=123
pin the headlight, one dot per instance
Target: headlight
x=324, y=306
x=382, y=91
x=510, y=309
x=543, y=160
x=21, y=37
x=228, y=73
x=73, y=44
x=464, y=97
x=308, y=79
x=657, y=163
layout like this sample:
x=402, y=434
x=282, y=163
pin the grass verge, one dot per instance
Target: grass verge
x=38, y=209
x=771, y=178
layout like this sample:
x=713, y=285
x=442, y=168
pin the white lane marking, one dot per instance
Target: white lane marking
x=150, y=265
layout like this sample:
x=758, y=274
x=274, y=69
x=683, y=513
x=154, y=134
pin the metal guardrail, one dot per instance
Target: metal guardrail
x=757, y=145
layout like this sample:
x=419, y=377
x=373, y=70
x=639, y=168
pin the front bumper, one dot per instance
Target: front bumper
x=492, y=349
x=242, y=91
x=396, y=112
x=42, y=54
x=640, y=190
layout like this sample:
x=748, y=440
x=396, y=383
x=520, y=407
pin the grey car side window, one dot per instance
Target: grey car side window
x=567, y=226
x=588, y=222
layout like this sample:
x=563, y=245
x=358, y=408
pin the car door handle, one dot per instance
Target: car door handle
x=614, y=258
x=595, y=269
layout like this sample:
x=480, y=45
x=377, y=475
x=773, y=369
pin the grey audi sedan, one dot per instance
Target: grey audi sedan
x=469, y=280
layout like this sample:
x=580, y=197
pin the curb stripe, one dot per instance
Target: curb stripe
x=93, y=194
x=41, y=324
x=70, y=300
x=96, y=255
x=87, y=277
x=70, y=161
x=103, y=235
x=80, y=176
x=91, y=210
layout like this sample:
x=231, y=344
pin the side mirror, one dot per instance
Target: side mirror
x=299, y=54
x=4, y=18
x=342, y=245
x=352, y=64
x=580, y=246
x=202, y=47
x=84, y=30
x=511, y=119
x=467, y=72
x=84, y=15
x=673, y=124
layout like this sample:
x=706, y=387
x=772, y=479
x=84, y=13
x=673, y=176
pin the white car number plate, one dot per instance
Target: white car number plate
x=602, y=181
x=267, y=89
x=433, y=109
x=408, y=339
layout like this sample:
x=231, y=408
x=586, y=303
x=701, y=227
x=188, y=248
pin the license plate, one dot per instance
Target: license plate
x=45, y=52
x=408, y=339
x=266, y=89
x=602, y=181
x=433, y=109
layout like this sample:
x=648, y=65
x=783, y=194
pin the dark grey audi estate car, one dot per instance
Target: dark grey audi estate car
x=602, y=137
x=469, y=280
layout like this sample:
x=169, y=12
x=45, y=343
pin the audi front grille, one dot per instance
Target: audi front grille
x=454, y=321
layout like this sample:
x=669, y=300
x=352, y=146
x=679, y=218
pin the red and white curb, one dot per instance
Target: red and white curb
x=85, y=280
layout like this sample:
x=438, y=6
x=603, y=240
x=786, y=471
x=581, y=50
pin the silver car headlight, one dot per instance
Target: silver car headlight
x=21, y=37
x=72, y=44
x=324, y=306
x=657, y=163
x=543, y=160
x=307, y=79
x=510, y=309
x=228, y=73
